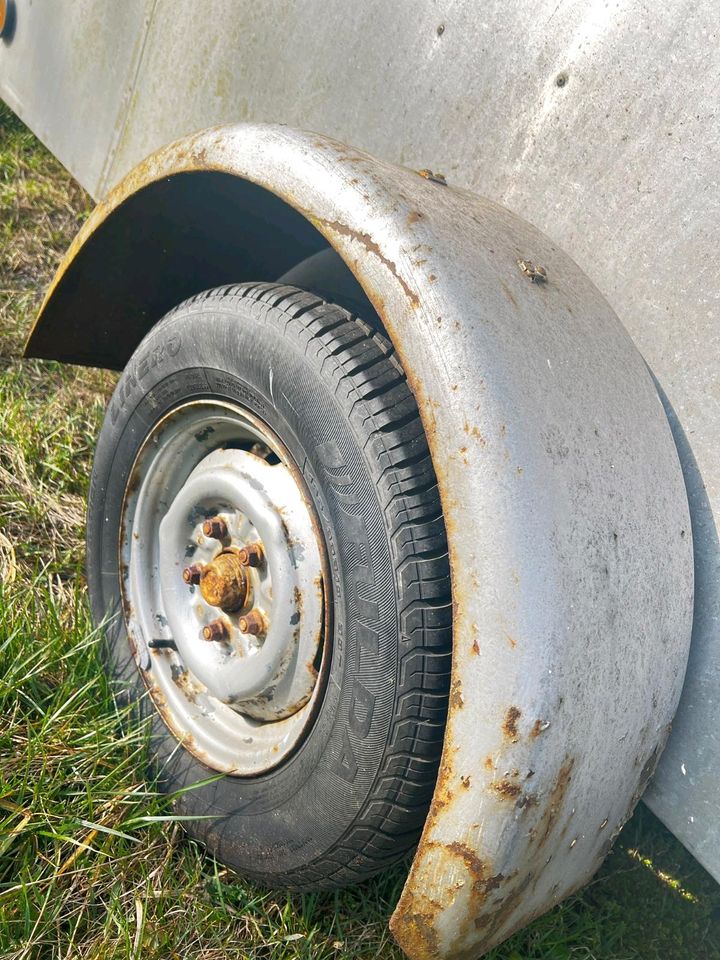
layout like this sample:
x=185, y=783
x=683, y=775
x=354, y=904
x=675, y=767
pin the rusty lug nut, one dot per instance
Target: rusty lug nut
x=253, y=623
x=192, y=573
x=216, y=528
x=252, y=555
x=216, y=630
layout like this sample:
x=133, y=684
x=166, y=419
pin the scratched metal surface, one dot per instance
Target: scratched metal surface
x=565, y=509
x=597, y=122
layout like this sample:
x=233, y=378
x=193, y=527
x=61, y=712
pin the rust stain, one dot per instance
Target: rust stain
x=465, y=781
x=509, y=726
x=182, y=680
x=483, y=882
x=528, y=800
x=415, y=932
x=456, y=698
x=504, y=908
x=540, y=726
x=372, y=247
x=508, y=294
x=553, y=803
x=298, y=597
x=475, y=646
x=511, y=640
x=497, y=916
x=497, y=898
x=473, y=431
x=414, y=216
x=506, y=788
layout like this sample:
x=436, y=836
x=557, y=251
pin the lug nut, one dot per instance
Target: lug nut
x=253, y=623
x=216, y=630
x=192, y=573
x=216, y=528
x=252, y=555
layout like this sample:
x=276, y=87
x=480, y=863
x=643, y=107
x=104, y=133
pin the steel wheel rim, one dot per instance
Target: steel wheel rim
x=243, y=704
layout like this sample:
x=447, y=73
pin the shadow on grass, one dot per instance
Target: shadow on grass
x=650, y=901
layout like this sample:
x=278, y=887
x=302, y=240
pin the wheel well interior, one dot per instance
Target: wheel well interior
x=168, y=241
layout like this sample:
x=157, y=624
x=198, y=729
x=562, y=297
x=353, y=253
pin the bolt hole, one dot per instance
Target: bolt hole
x=441, y=29
x=561, y=79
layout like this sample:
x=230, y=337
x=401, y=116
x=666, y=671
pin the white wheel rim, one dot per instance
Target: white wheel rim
x=242, y=703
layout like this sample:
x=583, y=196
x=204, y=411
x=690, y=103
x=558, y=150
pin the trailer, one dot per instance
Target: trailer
x=402, y=522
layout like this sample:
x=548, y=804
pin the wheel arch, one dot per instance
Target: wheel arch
x=564, y=502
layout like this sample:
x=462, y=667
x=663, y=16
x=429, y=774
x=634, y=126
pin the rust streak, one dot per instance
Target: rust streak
x=506, y=788
x=508, y=294
x=554, y=801
x=510, y=722
x=372, y=247
x=540, y=726
x=473, y=431
x=456, y=698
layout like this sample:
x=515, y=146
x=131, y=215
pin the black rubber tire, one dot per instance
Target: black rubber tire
x=353, y=798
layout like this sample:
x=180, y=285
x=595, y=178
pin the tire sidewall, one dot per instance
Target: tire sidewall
x=285, y=819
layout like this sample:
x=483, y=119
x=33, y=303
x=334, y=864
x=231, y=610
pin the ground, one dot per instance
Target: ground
x=92, y=862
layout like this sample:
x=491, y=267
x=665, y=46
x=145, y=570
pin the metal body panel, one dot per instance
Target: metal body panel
x=564, y=502
x=595, y=122
x=69, y=69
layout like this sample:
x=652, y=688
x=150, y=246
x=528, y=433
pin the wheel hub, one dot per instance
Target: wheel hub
x=265, y=674
x=223, y=582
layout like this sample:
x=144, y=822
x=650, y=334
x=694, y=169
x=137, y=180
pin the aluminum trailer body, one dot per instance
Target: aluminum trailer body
x=597, y=125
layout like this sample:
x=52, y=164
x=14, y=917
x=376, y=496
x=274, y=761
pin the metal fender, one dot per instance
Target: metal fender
x=566, y=513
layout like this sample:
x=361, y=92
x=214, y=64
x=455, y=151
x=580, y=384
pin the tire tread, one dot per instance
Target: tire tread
x=358, y=361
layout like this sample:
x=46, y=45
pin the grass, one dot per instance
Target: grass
x=91, y=863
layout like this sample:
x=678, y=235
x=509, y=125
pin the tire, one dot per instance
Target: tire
x=352, y=797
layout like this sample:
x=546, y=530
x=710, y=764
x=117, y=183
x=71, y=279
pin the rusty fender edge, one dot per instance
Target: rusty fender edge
x=566, y=513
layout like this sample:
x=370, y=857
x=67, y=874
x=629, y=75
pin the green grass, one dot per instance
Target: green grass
x=91, y=863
